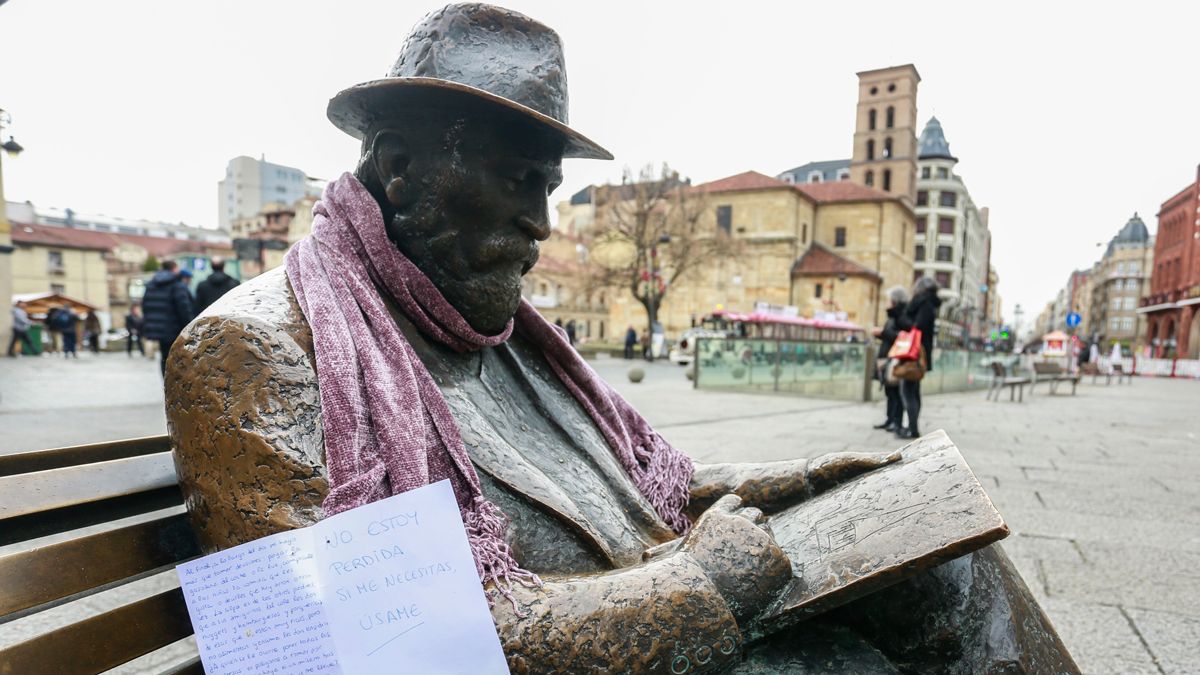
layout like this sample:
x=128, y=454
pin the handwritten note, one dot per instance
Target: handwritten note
x=386, y=583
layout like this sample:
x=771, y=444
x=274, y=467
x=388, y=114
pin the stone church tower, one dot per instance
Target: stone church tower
x=885, y=140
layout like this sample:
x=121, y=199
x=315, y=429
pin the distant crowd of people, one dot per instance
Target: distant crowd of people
x=166, y=308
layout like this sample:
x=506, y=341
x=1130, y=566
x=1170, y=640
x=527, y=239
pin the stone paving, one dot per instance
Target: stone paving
x=1101, y=490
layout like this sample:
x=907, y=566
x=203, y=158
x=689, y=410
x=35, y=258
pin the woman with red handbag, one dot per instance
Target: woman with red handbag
x=920, y=314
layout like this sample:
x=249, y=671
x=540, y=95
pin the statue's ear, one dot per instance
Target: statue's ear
x=390, y=154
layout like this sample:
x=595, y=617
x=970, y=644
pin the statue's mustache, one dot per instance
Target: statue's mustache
x=501, y=249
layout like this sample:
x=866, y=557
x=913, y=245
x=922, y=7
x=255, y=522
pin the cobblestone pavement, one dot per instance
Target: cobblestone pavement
x=1101, y=490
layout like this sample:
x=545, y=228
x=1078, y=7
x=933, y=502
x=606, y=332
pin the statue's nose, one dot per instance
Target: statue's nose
x=537, y=227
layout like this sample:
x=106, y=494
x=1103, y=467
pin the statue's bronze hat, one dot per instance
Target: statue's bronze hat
x=476, y=52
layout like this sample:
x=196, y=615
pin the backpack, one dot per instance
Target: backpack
x=61, y=320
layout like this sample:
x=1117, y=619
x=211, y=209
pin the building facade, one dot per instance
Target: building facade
x=1118, y=280
x=251, y=184
x=885, y=141
x=952, y=240
x=825, y=248
x=1172, y=307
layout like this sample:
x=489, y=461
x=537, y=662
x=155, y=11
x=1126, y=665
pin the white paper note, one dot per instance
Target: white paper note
x=387, y=583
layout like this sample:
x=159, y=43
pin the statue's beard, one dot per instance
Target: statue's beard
x=481, y=278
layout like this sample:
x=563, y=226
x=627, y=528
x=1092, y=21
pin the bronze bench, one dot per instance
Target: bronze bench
x=1094, y=370
x=60, y=541
x=1052, y=374
x=1000, y=380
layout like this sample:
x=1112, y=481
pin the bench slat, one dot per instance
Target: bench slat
x=190, y=667
x=70, y=569
x=43, y=460
x=28, y=493
x=104, y=641
x=46, y=523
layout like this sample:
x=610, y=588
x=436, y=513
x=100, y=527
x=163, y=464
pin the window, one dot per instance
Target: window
x=871, y=148
x=891, y=117
x=919, y=254
x=1114, y=324
x=871, y=119
x=804, y=234
x=1135, y=267
x=1120, y=268
x=1116, y=304
x=943, y=172
x=724, y=219
x=943, y=279
x=917, y=275
x=887, y=147
x=55, y=258
x=844, y=174
x=1127, y=323
x=814, y=176
x=58, y=289
x=921, y=222
x=839, y=237
x=947, y=198
x=869, y=179
x=945, y=226
x=922, y=198
x=887, y=180
x=817, y=292
x=944, y=253
x=1128, y=303
x=924, y=172
x=892, y=87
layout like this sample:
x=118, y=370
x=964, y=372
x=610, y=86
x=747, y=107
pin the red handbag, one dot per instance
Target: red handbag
x=907, y=346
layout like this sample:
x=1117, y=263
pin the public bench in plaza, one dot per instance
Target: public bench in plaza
x=1052, y=374
x=60, y=540
x=1001, y=380
x=1119, y=371
x=1094, y=371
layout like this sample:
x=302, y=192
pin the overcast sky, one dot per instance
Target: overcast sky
x=1066, y=117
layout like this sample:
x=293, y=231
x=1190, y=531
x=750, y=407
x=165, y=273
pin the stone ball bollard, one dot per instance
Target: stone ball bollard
x=636, y=375
x=691, y=375
x=738, y=373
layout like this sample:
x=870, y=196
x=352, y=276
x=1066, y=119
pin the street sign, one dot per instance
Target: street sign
x=1073, y=319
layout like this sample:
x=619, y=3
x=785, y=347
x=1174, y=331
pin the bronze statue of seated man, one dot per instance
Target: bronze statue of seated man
x=384, y=356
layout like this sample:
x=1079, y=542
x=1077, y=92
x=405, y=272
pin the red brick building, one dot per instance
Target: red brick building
x=1173, y=305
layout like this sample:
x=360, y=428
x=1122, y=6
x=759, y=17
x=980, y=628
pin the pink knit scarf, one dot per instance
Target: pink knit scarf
x=387, y=427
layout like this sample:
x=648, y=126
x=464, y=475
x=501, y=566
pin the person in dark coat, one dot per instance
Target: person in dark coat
x=631, y=340
x=571, y=332
x=887, y=337
x=134, y=322
x=920, y=313
x=217, y=284
x=91, y=332
x=167, y=306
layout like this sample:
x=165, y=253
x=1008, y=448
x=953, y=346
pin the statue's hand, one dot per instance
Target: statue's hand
x=830, y=470
x=773, y=486
x=738, y=552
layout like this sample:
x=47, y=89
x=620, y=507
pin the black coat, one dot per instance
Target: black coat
x=921, y=313
x=216, y=285
x=890, y=330
x=166, y=306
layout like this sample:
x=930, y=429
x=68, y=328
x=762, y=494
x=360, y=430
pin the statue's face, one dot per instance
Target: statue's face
x=471, y=209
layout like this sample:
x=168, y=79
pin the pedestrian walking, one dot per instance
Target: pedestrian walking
x=168, y=309
x=20, y=336
x=66, y=323
x=631, y=339
x=571, y=332
x=217, y=284
x=134, y=323
x=91, y=332
x=646, y=354
x=887, y=337
x=920, y=313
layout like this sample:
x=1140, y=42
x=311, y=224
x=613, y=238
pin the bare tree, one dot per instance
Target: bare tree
x=649, y=233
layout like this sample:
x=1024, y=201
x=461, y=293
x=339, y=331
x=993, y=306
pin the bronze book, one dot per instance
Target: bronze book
x=881, y=528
